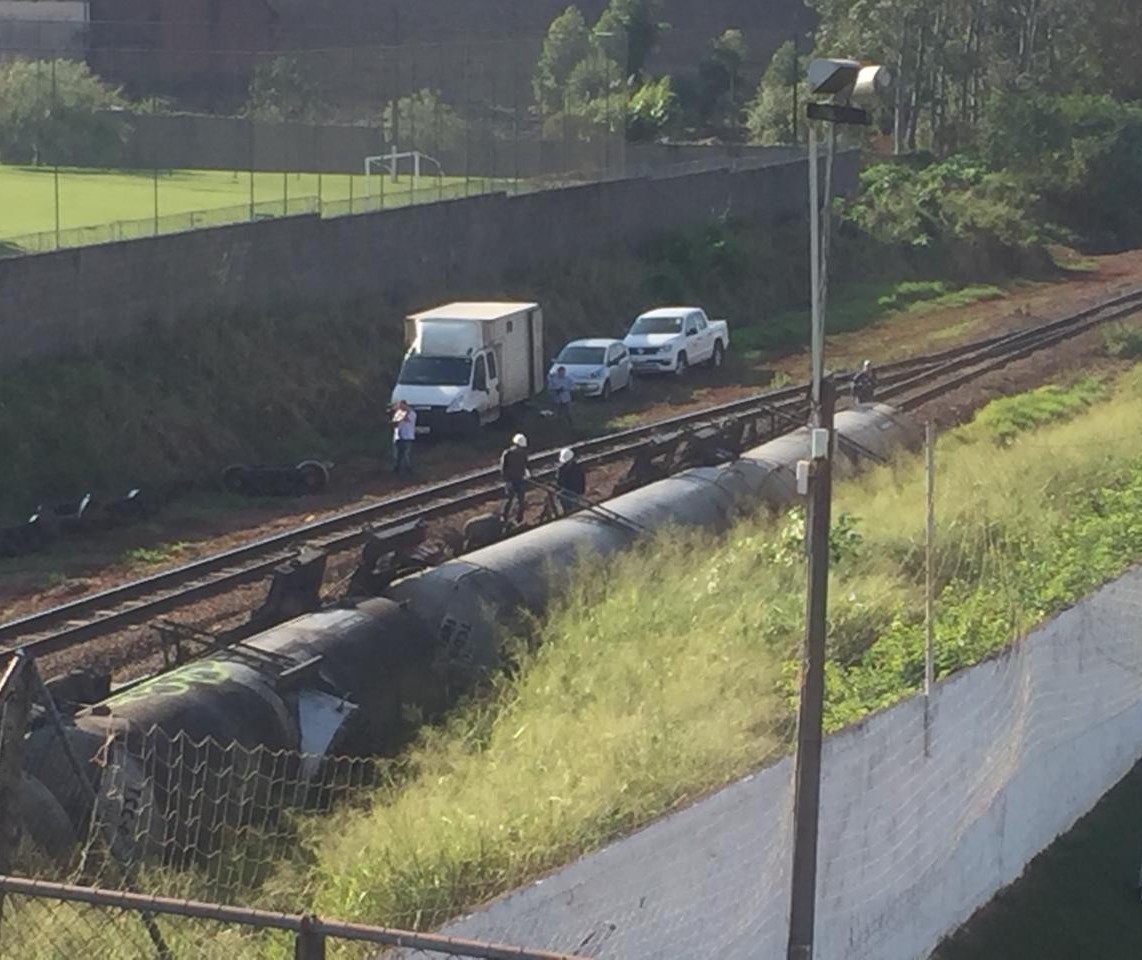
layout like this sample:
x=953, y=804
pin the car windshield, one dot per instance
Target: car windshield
x=574, y=355
x=657, y=325
x=436, y=371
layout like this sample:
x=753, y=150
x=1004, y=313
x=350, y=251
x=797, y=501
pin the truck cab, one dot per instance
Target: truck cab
x=673, y=339
x=467, y=362
x=467, y=387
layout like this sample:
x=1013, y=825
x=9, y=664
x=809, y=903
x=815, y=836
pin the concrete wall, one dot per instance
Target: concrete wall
x=912, y=841
x=76, y=298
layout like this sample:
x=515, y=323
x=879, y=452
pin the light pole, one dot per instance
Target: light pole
x=841, y=81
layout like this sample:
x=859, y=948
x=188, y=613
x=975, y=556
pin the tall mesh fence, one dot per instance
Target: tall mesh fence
x=184, y=135
x=928, y=807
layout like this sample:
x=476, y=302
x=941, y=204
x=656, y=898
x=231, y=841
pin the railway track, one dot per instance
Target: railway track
x=908, y=383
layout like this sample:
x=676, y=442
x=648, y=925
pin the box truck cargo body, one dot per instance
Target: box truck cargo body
x=468, y=362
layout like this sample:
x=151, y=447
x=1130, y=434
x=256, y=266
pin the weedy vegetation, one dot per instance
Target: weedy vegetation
x=672, y=670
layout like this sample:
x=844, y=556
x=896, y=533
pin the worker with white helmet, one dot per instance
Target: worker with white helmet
x=513, y=469
x=570, y=480
x=864, y=383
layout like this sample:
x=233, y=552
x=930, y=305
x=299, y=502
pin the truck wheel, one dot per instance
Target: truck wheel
x=606, y=393
x=718, y=357
x=682, y=365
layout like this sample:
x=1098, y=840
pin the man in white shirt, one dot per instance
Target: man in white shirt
x=404, y=433
x=560, y=386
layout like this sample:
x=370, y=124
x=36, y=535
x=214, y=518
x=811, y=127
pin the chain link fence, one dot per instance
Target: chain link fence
x=995, y=735
x=163, y=132
x=174, y=817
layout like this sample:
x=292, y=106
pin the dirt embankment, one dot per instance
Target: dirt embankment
x=197, y=527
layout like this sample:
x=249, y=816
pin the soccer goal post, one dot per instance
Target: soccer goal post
x=390, y=163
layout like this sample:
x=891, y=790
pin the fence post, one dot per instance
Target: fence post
x=929, y=575
x=309, y=943
x=15, y=704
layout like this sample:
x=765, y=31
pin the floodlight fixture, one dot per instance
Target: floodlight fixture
x=829, y=77
x=847, y=80
x=872, y=83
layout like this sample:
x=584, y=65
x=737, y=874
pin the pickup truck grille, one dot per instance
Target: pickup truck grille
x=643, y=351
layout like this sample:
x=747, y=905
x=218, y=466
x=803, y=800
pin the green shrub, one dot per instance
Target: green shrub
x=652, y=110
x=1005, y=418
x=1079, y=152
x=58, y=112
x=281, y=90
x=423, y=121
x=1123, y=341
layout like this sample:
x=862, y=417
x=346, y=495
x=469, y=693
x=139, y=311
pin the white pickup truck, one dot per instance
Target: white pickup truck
x=672, y=339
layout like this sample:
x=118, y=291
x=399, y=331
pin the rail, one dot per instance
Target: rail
x=909, y=383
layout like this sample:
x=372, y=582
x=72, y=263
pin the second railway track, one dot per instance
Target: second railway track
x=908, y=383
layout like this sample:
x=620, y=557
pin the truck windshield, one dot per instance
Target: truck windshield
x=575, y=355
x=436, y=371
x=657, y=325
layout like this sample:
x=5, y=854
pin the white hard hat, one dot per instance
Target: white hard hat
x=867, y=364
x=566, y=454
x=519, y=440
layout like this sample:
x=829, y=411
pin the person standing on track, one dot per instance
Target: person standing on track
x=864, y=383
x=570, y=480
x=404, y=434
x=513, y=469
x=560, y=386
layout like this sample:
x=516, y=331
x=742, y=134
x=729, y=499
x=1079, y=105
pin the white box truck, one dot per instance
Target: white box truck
x=467, y=362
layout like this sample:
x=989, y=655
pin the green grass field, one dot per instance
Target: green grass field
x=101, y=205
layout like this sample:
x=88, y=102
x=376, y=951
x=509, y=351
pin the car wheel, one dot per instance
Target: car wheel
x=605, y=393
x=718, y=357
x=682, y=365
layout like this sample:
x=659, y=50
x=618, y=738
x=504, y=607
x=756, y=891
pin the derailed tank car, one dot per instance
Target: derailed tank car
x=203, y=746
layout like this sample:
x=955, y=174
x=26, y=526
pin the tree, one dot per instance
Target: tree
x=596, y=77
x=423, y=121
x=770, y=115
x=950, y=56
x=566, y=45
x=281, y=91
x=653, y=110
x=59, y=112
x=1079, y=153
x=627, y=31
x=720, y=88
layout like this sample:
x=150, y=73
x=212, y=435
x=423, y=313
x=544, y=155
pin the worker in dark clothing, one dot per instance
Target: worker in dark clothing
x=864, y=384
x=513, y=469
x=571, y=481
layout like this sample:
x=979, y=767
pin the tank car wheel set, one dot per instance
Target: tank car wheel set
x=412, y=634
x=307, y=477
x=83, y=516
